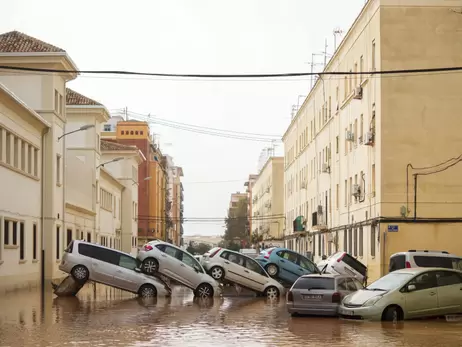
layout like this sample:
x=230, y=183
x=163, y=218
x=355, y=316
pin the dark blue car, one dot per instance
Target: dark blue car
x=286, y=264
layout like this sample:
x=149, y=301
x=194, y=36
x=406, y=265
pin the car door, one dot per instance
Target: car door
x=288, y=268
x=103, y=263
x=125, y=276
x=170, y=262
x=423, y=301
x=189, y=270
x=233, y=269
x=449, y=292
x=254, y=275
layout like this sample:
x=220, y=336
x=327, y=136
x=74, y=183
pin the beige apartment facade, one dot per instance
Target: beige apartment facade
x=348, y=148
x=268, y=201
x=45, y=94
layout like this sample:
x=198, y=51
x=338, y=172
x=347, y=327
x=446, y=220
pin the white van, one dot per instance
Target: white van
x=424, y=258
x=344, y=264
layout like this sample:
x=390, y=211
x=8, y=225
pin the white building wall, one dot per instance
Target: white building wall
x=20, y=205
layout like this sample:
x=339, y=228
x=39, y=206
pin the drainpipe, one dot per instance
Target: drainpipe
x=42, y=208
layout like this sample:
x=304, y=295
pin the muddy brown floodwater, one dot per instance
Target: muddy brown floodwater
x=104, y=316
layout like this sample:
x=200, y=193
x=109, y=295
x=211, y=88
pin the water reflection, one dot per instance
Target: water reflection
x=107, y=317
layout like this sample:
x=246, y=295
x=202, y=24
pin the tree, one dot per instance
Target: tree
x=237, y=224
x=198, y=248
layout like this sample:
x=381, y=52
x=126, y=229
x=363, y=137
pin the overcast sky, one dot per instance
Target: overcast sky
x=193, y=36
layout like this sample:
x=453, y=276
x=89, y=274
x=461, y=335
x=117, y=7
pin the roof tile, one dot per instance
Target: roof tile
x=74, y=98
x=17, y=42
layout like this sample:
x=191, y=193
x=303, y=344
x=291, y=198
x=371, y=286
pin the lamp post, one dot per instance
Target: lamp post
x=111, y=161
x=82, y=128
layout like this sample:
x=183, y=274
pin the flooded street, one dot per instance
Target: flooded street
x=108, y=317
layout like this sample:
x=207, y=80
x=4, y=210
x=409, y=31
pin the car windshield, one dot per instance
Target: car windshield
x=391, y=281
x=457, y=263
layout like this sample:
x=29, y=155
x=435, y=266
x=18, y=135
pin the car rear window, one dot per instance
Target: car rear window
x=355, y=264
x=326, y=283
x=397, y=262
x=432, y=261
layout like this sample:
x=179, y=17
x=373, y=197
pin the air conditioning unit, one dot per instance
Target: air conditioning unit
x=356, y=190
x=319, y=209
x=369, y=139
x=350, y=136
x=358, y=93
x=325, y=168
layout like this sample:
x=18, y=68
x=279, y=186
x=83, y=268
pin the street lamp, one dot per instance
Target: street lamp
x=111, y=161
x=82, y=128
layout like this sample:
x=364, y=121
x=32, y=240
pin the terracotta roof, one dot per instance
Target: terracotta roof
x=17, y=42
x=114, y=146
x=74, y=98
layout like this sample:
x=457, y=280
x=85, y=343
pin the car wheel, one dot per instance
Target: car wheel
x=217, y=273
x=150, y=266
x=80, y=273
x=272, y=269
x=271, y=292
x=392, y=314
x=204, y=290
x=147, y=291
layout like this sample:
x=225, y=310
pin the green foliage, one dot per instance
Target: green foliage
x=237, y=225
x=198, y=248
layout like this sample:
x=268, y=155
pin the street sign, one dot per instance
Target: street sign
x=393, y=228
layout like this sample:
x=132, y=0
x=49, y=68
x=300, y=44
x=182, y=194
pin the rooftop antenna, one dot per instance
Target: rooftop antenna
x=337, y=32
x=313, y=64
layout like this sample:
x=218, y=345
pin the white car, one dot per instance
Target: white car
x=89, y=261
x=224, y=264
x=174, y=263
x=425, y=258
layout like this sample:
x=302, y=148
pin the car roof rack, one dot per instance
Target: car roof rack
x=427, y=251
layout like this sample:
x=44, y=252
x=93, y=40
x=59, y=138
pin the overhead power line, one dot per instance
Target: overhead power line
x=226, y=76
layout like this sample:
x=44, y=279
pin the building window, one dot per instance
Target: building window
x=15, y=233
x=107, y=127
x=373, y=56
x=34, y=242
x=351, y=191
x=373, y=179
x=361, y=68
x=350, y=241
x=346, y=192
x=106, y=199
x=345, y=240
x=141, y=132
x=35, y=162
x=68, y=236
x=361, y=241
x=122, y=132
x=58, y=169
x=131, y=132
x=136, y=132
x=361, y=129
x=58, y=240
x=373, y=241
x=355, y=237
x=8, y=147
x=23, y=156
x=337, y=197
x=56, y=102
x=89, y=236
x=15, y=151
x=355, y=129
x=21, y=242
x=114, y=209
x=6, y=232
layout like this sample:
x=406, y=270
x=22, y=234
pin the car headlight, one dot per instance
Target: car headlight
x=372, y=301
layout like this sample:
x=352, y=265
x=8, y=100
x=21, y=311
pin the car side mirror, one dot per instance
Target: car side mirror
x=411, y=288
x=196, y=268
x=137, y=269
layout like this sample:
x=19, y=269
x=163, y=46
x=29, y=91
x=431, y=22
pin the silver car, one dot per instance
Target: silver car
x=224, y=264
x=320, y=294
x=407, y=294
x=159, y=257
x=88, y=261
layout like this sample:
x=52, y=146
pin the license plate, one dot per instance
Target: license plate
x=347, y=313
x=312, y=297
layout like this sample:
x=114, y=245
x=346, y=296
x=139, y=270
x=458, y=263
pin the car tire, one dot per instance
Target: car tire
x=147, y=291
x=204, y=290
x=272, y=269
x=392, y=314
x=271, y=292
x=150, y=266
x=217, y=273
x=80, y=274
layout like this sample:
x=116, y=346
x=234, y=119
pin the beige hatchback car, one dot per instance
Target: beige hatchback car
x=407, y=294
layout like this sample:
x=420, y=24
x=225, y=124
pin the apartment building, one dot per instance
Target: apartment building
x=348, y=184
x=122, y=164
x=177, y=206
x=32, y=120
x=268, y=201
x=249, y=190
